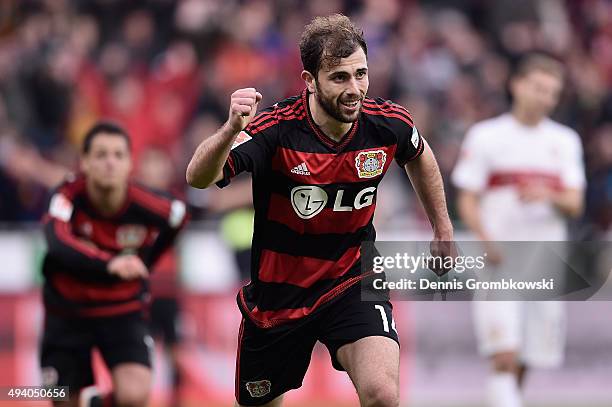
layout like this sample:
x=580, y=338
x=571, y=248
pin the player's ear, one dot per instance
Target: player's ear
x=514, y=85
x=309, y=79
x=130, y=163
x=83, y=164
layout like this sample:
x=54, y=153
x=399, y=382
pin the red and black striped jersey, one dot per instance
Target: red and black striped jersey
x=81, y=242
x=314, y=201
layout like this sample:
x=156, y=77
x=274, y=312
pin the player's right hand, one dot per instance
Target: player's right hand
x=243, y=106
x=443, y=256
x=127, y=267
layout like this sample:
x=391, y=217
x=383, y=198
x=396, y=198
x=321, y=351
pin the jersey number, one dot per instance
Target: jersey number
x=385, y=320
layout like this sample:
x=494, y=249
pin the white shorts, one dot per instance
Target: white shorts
x=534, y=329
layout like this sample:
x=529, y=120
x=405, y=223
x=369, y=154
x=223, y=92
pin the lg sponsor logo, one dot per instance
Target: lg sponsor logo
x=309, y=200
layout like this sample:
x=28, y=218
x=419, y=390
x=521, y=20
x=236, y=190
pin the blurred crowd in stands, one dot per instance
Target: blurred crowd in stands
x=164, y=69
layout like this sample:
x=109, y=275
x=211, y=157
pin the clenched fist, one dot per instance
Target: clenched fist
x=243, y=106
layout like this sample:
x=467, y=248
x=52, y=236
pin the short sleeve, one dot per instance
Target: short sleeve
x=60, y=207
x=410, y=144
x=572, y=175
x=397, y=120
x=472, y=169
x=253, y=148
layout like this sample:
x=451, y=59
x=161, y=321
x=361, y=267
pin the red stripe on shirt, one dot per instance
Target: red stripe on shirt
x=524, y=178
x=303, y=271
x=287, y=111
x=112, y=310
x=111, y=235
x=327, y=221
x=272, y=113
x=71, y=189
x=268, y=319
x=275, y=121
x=419, y=150
x=388, y=106
x=325, y=168
x=75, y=290
x=153, y=202
x=63, y=231
x=387, y=114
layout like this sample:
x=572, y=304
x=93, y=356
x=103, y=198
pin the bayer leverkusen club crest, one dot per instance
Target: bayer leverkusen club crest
x=259, y=388
x=131, y=236
x=370, y=163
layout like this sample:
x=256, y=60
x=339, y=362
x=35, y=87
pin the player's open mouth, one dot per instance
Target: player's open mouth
x=351, y=105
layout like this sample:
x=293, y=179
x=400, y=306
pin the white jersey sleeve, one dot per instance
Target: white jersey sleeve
x=572, y=175
x=472, y=169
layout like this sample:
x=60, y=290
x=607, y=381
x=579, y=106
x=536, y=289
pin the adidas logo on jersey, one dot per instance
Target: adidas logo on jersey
x=300, y=169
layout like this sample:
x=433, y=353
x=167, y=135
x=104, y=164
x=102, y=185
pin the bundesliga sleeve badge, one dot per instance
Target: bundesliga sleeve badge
x=370, y=163
x=415, y=137
x=60, y=207
x=242, y=138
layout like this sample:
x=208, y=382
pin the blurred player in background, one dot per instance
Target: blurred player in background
x=156, y=171
x=521, y=177
x=103, y=234
x=317, y=159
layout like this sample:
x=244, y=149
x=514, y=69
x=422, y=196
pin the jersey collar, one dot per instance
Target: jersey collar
x=326, y=140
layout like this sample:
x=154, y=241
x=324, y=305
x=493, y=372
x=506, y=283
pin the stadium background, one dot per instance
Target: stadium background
x=165, y=69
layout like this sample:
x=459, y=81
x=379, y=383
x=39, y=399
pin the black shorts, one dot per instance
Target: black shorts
x=164, y=319
x=274, y=360
x=67, y=343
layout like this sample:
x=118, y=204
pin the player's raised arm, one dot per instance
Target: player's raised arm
x=206, y=165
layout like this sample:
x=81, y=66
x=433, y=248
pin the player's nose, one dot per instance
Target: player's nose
x=111, y=162
x=352, y=88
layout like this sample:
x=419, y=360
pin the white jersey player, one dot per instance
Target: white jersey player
x=520, y=176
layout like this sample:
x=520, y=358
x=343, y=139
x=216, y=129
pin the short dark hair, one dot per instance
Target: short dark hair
x=104, y=127
x=539, y=62
x=328, y=39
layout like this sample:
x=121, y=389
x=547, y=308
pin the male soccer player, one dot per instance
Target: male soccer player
x=520, y=176
x=316, y=160
x=103, y=234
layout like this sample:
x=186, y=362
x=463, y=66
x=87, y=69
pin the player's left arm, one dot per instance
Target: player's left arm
x=426, y=179
x=570, y=202
x=415, y=156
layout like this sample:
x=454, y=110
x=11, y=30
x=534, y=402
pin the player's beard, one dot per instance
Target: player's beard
x=332, y=106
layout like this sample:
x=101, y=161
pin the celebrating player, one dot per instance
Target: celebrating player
x=103, y=234
x=520, y=176
x=317, y=160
